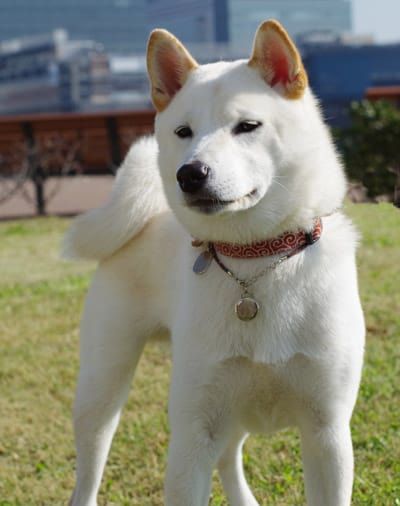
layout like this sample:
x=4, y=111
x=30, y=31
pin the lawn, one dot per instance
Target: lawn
x=40, y=304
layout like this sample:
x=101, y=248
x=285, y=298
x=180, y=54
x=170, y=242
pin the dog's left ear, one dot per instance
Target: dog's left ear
x=169, y=64
x=278, y=60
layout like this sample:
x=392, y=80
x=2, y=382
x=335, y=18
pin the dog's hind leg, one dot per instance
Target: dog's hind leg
x=230, y=467
x=113, y=333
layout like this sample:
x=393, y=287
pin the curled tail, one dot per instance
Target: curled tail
x=137, y=195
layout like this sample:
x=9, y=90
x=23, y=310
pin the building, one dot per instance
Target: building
x=129, y=83
x=340, y=73
x=193, y=21
x=51, y=73
x=234, y=22
x=298, y=17
x=55, y=73
x=120, y=25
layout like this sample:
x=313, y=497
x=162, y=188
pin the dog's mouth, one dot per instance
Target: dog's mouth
x=214, y=205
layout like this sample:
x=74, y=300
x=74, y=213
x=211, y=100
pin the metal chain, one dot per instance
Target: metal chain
x=246, y=283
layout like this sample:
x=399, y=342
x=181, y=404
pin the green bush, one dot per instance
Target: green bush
x=371, y=146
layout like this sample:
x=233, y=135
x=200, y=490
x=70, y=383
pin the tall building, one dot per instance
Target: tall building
x=233, y=22
x=193, y=21
x=120, y=25
x=298, y=17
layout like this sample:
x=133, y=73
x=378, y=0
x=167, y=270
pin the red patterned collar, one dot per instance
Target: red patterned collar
x=285, y=243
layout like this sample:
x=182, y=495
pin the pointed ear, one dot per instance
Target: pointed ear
x=168, y=65
x=278, y=60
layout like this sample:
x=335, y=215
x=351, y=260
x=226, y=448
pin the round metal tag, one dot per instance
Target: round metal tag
x=246, y=308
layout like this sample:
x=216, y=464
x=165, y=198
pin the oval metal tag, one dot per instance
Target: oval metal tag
x=203, y=262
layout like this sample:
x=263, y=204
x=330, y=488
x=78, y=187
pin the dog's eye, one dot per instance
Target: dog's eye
x=246, y=126
x=184, y=131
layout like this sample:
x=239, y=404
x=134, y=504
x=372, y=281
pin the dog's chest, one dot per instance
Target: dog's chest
x=207, y=314
x=238, y=363
x=262, y=373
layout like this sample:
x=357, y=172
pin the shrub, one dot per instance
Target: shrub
x=371, y=146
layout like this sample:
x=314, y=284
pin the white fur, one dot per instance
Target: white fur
x=135, y=198
x=298, y=363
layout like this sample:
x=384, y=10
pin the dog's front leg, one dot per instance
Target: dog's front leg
x=200, y=431
x=191, y=459
x=328, y=464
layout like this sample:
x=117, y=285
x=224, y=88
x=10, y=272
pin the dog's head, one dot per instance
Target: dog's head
x=243, y=150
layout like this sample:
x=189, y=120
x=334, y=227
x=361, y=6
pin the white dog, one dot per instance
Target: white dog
x=262, y=309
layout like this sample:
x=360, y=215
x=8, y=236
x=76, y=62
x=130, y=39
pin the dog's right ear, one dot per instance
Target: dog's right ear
x=168, y=65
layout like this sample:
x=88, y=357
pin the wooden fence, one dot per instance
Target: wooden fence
x=36, y=147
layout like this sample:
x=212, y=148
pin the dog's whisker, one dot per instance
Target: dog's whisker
x=274, y=180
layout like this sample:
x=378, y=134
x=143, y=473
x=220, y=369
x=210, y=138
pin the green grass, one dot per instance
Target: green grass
x=40, y=304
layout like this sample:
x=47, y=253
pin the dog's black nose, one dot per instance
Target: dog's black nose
x=192, y=176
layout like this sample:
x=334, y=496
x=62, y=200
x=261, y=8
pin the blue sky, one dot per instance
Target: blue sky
x=381, y=18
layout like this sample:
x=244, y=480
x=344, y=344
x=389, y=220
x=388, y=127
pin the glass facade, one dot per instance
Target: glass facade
x=121, y=25
x=193, y=21
x=298, y=17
